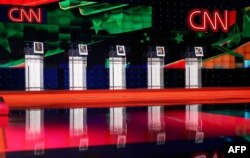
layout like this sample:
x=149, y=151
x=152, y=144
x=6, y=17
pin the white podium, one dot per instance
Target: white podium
x=193, y=80
x=117, y=80
x=34, y=81
x=78, y=81
x=155, y=72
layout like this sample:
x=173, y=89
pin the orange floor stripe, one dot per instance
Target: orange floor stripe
x=110, y=98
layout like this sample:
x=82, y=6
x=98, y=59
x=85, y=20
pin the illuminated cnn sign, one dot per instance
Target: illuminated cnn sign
x=26, y=15
x=201, y=20
x=29, y=15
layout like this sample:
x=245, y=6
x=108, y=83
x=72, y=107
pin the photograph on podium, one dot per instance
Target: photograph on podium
x=38, y=48
x=198, y=51
x=83, y=49
x=120, y=50
x=160, y=51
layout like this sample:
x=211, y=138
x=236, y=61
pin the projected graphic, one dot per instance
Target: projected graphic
x=91, y=23
x=101, y=24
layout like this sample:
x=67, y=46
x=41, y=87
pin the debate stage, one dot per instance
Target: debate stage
x=124, y=98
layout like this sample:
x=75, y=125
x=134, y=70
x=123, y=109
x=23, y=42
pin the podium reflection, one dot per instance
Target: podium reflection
x=34, y=130
x=78, y=128
x=156, y=124
x=118, y=125
x=194, y=123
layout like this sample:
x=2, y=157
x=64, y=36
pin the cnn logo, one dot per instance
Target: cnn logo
x=201, y=20
x=30, y=15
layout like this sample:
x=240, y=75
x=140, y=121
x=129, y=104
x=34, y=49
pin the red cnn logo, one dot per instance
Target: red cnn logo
x=30, y=15
x=214, y=21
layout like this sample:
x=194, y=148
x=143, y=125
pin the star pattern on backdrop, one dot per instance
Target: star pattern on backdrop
x=179, y=38
x=97, y=26
x=200, y=34
x=145, y=38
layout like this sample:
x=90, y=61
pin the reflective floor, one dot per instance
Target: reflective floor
x=176, y=131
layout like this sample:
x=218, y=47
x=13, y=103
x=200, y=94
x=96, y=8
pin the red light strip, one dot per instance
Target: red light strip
x=26, y=2
x=128, y=97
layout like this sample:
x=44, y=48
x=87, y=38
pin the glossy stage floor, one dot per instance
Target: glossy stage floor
x=127, y=98
x=186, y=133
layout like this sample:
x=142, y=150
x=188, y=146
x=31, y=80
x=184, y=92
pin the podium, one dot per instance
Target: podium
x=78, y=54
x=34, y=63
x=194, y=80
x=78, y=66
x=155, y=64
x=34, y=81
x=117, y=80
